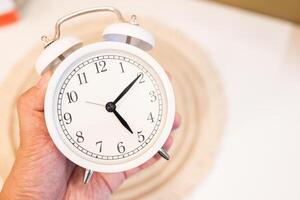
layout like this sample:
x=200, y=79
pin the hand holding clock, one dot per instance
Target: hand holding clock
x=40, y=171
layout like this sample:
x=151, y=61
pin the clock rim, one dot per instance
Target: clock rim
x=52, y=126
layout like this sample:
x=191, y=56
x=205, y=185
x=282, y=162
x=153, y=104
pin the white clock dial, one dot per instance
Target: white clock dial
x=109, y=107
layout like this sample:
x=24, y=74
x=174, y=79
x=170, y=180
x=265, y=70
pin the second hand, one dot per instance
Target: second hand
x=98, y=104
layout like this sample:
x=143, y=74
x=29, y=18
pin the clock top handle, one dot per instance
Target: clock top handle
x=60, y=21
x=57, y=49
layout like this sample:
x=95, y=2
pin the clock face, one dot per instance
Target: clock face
x=109, y=107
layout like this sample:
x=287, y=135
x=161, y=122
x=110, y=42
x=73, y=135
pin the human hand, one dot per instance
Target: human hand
x=40, y=171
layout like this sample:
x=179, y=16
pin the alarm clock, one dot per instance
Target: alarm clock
x=109, y=105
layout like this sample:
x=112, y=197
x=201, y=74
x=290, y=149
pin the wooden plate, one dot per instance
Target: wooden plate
x=199, y=98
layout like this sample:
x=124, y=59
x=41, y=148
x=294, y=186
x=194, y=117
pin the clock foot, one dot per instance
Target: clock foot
x=87, y=176
x=163, y=153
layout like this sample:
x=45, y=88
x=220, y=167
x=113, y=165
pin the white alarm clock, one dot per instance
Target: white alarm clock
x=109, y=105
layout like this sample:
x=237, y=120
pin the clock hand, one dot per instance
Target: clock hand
x=123, y=122
x=126, y=89
x=111, y=107
x=98, y=104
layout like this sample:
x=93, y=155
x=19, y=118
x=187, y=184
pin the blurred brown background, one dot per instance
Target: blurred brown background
x=285, y=9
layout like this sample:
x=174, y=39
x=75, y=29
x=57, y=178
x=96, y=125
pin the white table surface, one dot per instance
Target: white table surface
x=258, y=60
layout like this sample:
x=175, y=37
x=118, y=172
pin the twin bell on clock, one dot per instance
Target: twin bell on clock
x=109, y=105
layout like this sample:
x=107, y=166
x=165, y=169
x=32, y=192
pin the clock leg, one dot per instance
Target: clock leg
x=87, y=176
x=163, y=153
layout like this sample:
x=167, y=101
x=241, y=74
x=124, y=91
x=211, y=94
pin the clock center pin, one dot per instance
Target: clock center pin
x=110, y=106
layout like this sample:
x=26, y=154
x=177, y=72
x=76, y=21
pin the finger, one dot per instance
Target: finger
x=150, y=162
x=157, y=157
x=177, y=121
x=168, y=143
x=166, y=147
x=135, y=170
x=33, y=99
x=112, y=180
x=96, y=188
x=31, y=118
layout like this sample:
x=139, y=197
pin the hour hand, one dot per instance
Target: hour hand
x=123, y=122
x=111, y=107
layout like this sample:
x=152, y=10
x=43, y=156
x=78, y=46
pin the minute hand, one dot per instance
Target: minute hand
x=126, y=89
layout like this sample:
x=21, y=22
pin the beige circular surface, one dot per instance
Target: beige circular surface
x=199, y=99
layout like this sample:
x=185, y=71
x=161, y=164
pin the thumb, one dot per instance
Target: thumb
x=30, y=107
x=33, y=99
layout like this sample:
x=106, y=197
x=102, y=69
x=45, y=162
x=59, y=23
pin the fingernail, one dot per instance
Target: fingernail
x=44, y=80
